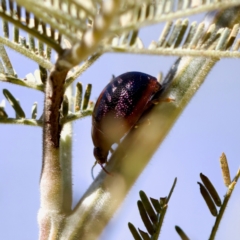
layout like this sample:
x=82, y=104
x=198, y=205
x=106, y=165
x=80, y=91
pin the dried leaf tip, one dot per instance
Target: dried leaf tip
x=225, y=169
x=14, y=103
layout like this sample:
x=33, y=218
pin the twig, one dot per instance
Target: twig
x=224, y=205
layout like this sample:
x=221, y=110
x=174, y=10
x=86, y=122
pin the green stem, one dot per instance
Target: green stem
x=174, y=52
x=81, y=69
x=29, y=122
x=51, y=187
x=76, y=116
x=163, y=212
x=160, y=222
x=21, y=82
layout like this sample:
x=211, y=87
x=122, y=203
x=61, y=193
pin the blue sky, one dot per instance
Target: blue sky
x=207, y=127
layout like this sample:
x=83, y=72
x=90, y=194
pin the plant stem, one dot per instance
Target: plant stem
x=30, y=122
x=26, y=52
x=51, y=179
x=66, y=159
x=176, y=52
x=163, y=212
x=223, y=207
x=21, y=82
x=51, y=185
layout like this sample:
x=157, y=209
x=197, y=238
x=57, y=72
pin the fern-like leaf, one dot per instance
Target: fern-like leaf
x=152, y=215
x=82, y=105
x=212, y=42
x=213, y=200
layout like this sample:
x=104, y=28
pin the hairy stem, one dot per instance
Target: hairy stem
x=51, y=179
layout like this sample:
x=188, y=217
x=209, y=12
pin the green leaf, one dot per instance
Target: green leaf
x=144, y=235
x=34, y=111
x=78, y=97
x=134, y=231
x=148, y=207
x=208, y=200
x=145, y=218
x=156, y=204
x=3, y=114
x=181, y=233
x=211, y=189
x=65, y=106
x=14, y=103
x=87, y=96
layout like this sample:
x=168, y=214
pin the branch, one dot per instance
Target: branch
x=224, y=205
x=176, y=40
x=51, y=186
x=26, y=52
x=78, y=115
x=162, y=16
x=30, y=122
x=92, y=37
x=81, y=69
x=175, y=52
x=21, y=82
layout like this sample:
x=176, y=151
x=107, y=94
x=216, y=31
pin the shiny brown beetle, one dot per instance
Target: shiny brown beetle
x=119, y=107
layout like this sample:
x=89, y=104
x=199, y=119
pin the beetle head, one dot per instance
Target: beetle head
x=100, y=155
x=101, y=158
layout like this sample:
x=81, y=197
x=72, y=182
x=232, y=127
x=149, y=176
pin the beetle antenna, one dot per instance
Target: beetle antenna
x=105, y=170
x=92, y=170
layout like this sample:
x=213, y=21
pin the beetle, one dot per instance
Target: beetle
x=119, y=107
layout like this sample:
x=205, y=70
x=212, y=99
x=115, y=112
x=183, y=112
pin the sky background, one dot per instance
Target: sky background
x=208, y=126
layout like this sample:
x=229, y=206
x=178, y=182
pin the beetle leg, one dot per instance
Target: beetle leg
x=111, y=150
x=93, y=168
x=145, y=122
x=105, y=170
x=157, y=101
